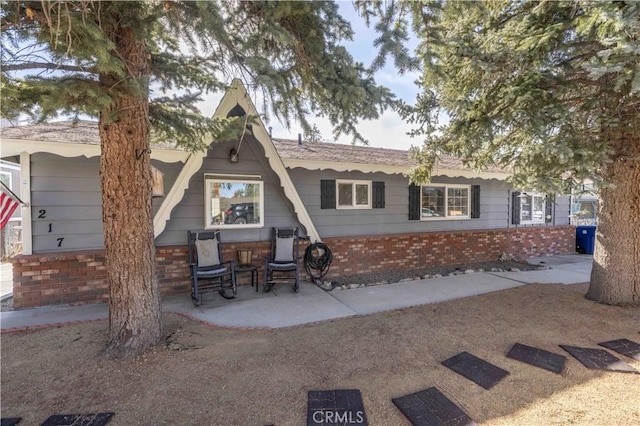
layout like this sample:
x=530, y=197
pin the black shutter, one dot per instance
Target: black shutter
x=414, y=202
x=377, y=190
x=548, y=208
x=515, y=208
x=327, y=194
x=475, y=201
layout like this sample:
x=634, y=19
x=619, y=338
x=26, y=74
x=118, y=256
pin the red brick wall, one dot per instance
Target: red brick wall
x=410, y=251
x=80, y=277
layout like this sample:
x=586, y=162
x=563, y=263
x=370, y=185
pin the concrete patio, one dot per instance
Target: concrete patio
x=284, y=308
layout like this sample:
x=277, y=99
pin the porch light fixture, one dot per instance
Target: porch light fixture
x=233, y=156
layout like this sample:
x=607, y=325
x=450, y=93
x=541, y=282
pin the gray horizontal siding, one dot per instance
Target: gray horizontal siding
x=68, y=191
x=562, y=210
x=65, y=198
x=66, y=202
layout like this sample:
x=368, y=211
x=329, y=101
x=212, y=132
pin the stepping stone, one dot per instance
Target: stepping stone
x=335, y=407
x=599, y=359
x=625, y=347
x=99, y=419
x=475, y=369
x=538, y=357
x=10, y=421
x=429, y=407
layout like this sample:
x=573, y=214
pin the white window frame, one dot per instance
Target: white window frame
x=544, y=208
x=353, y=205
x=446, y=187
x=210, y=179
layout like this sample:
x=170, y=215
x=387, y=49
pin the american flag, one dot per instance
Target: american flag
x=7, y=206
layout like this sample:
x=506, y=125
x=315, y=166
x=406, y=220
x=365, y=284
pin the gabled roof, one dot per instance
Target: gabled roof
x=342, y=157
x=236, y=99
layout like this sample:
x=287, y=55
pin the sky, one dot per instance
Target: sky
x=389, y=131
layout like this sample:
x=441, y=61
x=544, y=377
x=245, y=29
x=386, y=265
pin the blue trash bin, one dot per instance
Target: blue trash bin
x=585, y=239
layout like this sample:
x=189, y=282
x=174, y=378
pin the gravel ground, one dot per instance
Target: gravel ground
x=387, y=277
x=6, y=304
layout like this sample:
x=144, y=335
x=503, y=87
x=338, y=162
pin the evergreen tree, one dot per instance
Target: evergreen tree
x=140, y=66
x=550, y=89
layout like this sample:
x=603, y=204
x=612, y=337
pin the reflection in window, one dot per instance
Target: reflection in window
x=532, y=208
x=5, y=177
x=433, y=201
x=457, y=202
x=354, y=194
x=233, y=203
x=345, y=194
x=445, y=201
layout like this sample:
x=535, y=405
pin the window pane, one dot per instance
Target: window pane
x=525, y=208
x=457, y=202
x=6, y=179
x=433, y=201
x=362, y=194
x=234, y=202
x=538, y=208
x=345, y=194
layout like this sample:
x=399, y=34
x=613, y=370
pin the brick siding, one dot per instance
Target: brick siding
x=411, y=251
x=80, y=277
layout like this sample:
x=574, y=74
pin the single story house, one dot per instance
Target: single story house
x=355, y=199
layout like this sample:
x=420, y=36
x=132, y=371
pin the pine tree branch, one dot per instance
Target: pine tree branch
x=46, y=65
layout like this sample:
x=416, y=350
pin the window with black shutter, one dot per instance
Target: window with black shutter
x=530, y=208
x=444, y=201
x=351, y=194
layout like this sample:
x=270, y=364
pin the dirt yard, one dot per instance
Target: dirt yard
x=212, y=376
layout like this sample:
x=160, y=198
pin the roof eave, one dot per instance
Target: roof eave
x=13, y=147
x=387, y=169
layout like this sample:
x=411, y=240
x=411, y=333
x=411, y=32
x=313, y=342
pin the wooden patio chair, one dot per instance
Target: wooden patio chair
x=208, y=271
x=284, y=258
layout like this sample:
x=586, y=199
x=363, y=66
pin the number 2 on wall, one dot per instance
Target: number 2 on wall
x=42, y=214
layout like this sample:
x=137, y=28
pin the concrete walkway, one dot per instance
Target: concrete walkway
x=284, y=308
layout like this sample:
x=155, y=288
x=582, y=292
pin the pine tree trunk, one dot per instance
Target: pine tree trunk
x=615, y=278
x=135, y=320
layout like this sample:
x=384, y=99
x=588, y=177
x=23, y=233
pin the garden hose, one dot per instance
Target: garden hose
x=317, y=258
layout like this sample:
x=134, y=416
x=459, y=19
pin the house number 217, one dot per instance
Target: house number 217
x=42, y=214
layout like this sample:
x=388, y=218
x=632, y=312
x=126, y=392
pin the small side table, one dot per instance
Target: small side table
x=249, y=268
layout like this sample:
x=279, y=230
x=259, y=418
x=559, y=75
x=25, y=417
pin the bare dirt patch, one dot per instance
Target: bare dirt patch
x=213, y=376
